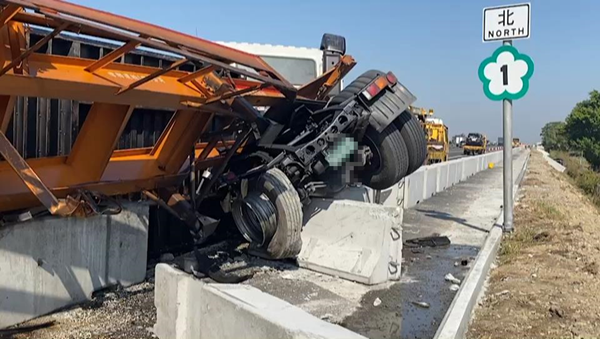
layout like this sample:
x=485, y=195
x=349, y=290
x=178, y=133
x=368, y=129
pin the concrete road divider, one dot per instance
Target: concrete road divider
x=50, y=263
x=432, y=179
x=354, y=240
x=187, y=308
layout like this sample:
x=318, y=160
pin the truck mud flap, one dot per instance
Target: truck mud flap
x=389, y=106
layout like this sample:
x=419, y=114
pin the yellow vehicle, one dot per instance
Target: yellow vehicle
x=516, y=142
x=476, y=144
x=438, y=146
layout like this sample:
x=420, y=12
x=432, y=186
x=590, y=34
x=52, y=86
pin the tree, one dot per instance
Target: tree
x=583, y=128
x=554, y=136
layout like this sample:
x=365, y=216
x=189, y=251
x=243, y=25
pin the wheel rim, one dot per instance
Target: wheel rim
x=255, y=217
x=374, y=165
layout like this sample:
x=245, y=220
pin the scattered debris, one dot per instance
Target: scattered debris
x=377, y=302
x=456, y=264
x=421, y=304
x=556, y=311
x=464, y=262
x=327, y=317
x=435, y=241
x=287, y=276
x=449, y=277
x=501, y=293
x=454, y=287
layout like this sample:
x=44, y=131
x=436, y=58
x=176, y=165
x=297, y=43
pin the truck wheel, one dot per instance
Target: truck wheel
x=414, y=138
x=355, y=86
x=389, y=162
x=270, y=216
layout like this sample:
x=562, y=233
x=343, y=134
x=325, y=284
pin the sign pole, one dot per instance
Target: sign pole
x=508, y=167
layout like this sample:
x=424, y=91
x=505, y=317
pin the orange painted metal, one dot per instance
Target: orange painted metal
x=97, y=139
x=7, y=106
x=8, y=13
x=321, y=86
x=115, y=89
x=16, y=61
x=112, y=56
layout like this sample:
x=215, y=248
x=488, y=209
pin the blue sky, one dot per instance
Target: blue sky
x=434, y=47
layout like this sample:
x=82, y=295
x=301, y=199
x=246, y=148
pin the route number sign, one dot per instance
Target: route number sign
x=506, y=74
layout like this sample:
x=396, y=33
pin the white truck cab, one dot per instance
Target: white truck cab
x=298, y=65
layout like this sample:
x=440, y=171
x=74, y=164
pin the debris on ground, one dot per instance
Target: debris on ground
x=421, y=304
x=450, y=278
x=545, y=284
x=434, y=241
x=377, y=302
x=454, y=287
x=115, y=313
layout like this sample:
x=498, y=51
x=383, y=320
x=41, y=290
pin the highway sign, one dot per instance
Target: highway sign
x=506, y=74
x=508, y=22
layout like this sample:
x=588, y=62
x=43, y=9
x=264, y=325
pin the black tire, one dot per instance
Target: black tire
x=286, y=242
x=414, y=138
x=355, y=86
x=390, y=158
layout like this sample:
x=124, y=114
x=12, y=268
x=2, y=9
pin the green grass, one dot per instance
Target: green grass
x=582, y=174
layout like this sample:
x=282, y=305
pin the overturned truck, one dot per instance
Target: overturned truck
x=239, y=132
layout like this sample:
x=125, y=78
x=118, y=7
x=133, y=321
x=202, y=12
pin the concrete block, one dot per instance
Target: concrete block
x=414, y=188
x=431, y=181
x=190, y=309
x=50, y=263
x=356, y=241
x=443, y=177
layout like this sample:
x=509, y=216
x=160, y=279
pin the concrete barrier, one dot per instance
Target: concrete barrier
x=430, y=180
x=553, y=162
x=353, y=240
x=187, y=308
x=50, y=263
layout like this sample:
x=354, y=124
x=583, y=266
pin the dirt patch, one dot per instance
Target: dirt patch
x=113, y=313
x=545, y=285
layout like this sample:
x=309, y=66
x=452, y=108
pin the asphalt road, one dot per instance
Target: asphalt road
x=455, y=153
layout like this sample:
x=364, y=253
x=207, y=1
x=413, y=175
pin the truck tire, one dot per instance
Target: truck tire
x=355, y=86
x=389, y=163
x=286, y=242
x=414, y=139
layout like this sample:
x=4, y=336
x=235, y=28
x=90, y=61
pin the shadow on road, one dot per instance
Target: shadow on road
x=450, y=217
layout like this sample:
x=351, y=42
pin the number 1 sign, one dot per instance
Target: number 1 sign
x=506, y=74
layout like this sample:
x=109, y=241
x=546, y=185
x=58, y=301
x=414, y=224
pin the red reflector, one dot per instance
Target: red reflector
x=373, y=90
x=391, y=78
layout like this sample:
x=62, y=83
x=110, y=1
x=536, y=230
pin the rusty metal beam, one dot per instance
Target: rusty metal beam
x=31, y=179
x=8, y=13
x=153, y=76
x=17, y=42
x=7, y=107
x=321, y=86
x=97, y=139
x=201, y=72
x=286, y=88
x=114, y=55
x=33, y=48
x=230, y=95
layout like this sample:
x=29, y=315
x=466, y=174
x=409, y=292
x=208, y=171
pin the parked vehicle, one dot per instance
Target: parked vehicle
x=436, y=133
x=476, y=144
x=261, y=164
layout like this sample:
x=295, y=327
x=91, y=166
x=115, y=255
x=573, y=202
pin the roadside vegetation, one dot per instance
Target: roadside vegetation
x=576, y=144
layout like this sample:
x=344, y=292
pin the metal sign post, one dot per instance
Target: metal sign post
x=507, y=160
x=505, y=76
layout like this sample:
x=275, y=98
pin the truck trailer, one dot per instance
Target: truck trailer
x=238, y=131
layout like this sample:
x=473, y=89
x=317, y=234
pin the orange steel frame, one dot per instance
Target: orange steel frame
x=115, y=89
